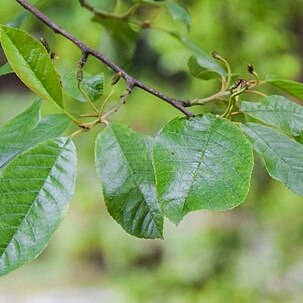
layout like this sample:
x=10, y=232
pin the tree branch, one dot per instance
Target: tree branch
x=86, y=50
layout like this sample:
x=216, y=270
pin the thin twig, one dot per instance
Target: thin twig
x=85, y=49
x=121, y=102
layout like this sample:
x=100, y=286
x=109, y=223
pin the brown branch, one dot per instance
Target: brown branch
x=86, y=51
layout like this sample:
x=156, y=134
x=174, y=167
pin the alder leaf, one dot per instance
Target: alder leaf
x=204, y=68
x=35, y=189
x=201, y=61
x=201, y=163
x=177, y=12
x=293, y=88
x=277, y=111
x=31, y=63
x=28, y=129
x=283, y=156
x=92, y=85
x=124, y=166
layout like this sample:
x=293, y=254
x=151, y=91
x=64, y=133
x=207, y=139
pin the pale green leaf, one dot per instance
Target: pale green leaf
x=277, y=111
x=92, y=85
x=124, y=166
x=201, y=60
x=31, y=63
x=201, y=163
x=204, y=70
x=35, y=189
x=119, y=35
x=27, y=130
x=177, y=12
x=283, y=156
x=293, y=88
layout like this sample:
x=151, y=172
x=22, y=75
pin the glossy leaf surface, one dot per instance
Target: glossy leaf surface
x=124, y=166
x=277, y=111
x=32, y=64
x=27, y=129
x=35, y=189
x=201, y=163
x=283, y=156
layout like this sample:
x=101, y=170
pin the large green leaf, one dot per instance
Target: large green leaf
x=35, y=189
x=283, y=156
x=5, y=69
x=32, y=64
x=201, y=163
x=27, y=130
x=124, y=166
x=277, y=111
x=291, y=87
x=92, y=85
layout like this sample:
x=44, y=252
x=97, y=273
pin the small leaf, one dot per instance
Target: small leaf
x=291, y=87
x=27, y=130
x=32, y=64
x=201, y=60
x=5, y=69
x=177, y=12
x=92, y=85
x=198, y=68
x=35, y=189
x=283, y=156
x=119, y=35
x=277, y=111
x=124, y=166
x=18, y=20
x=201, y=163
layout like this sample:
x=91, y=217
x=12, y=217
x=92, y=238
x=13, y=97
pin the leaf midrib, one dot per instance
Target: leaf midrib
x=135, y=181
x=35, y=200
x=203, y=151
x=279, y=156
x=32, y=70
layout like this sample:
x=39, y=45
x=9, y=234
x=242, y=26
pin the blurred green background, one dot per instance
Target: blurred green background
x=251, y=254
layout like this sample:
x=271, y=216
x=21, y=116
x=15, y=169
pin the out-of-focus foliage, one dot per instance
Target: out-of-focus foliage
x=252, y=254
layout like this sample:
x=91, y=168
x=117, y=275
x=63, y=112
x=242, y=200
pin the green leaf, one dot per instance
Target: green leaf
x=283, y=156
x=119, y=35
x=32, y=64
x=201, y=163
x=202, y=69
x=277, y=111
x=201, y=61
x=92, y=85
x=18, y=20
x=291, y=87
x=35, y=189
x=124, y=166
x=5, y=69
x=177, y=12
x=27, y=130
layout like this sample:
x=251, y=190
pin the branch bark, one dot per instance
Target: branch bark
x=86, y=50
